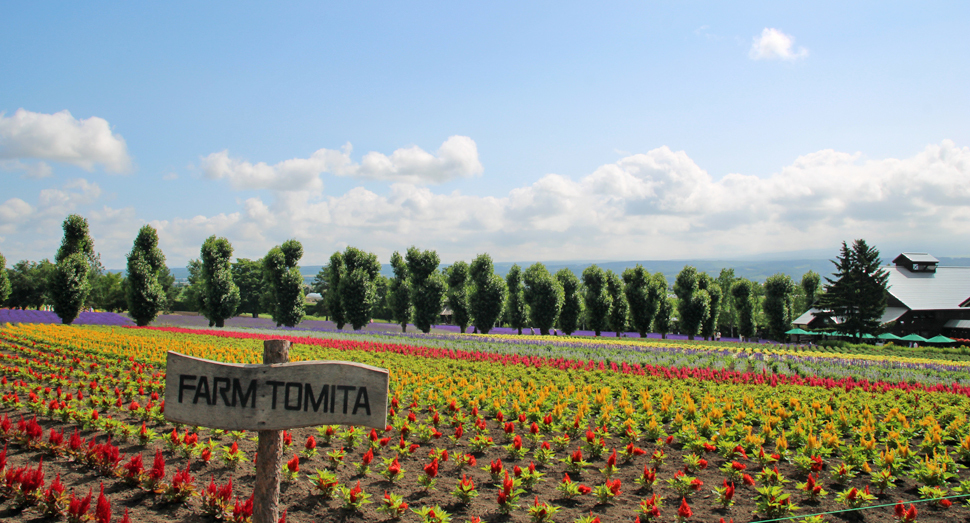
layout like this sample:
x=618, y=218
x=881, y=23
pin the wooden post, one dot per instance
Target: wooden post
x=269, y=460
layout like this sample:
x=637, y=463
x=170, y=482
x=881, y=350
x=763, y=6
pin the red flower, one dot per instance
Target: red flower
x=611, y=460
x=583, y=489
x=293, y=465
x=747, y=480
x=945, y=503
x=684, y=511
x=614, y=486
x=367, y=457
x=311, y=443
x=702, y=463
x=431, y=469
x=394, y=468
x=738, y=466
x=496, y=466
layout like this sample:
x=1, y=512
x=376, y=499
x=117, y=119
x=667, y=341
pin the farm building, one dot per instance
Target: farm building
x=922, y=298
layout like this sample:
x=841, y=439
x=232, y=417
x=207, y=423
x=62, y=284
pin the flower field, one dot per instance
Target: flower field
x=495, y=428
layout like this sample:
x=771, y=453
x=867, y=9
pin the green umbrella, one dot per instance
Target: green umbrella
x=888, y=336
x=797, y=331
x=913, y=337
x=939, y=338
x=868, y=336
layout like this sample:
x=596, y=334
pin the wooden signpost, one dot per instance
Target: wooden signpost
x=271, y=397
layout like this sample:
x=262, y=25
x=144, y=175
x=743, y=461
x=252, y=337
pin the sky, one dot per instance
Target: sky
x=527, y=130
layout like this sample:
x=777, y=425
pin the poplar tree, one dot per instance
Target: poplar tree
x=400, y=292
x=694, y=304
x=334, y=272
x=248, y=275
x=144, y=293
x=544, y=296
x=619, y=308
x=70, y=284
x=221, y=296
x=597, y=298
x=572, y=304
x=4, y=281
x=281, y=271
x=515, y=306
x=741, y=292
x=358, y=288
x=458, y=299
x=779, y=304
x=427, y=287
x=810, y=282
x=637, y=291
x=665, y=308
x=709, y=324
x=488, y=293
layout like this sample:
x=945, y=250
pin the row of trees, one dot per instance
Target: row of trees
x=354, y=291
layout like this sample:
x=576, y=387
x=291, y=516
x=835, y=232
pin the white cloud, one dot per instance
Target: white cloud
x=60, y=137
x=775, y=45
x=170, y=177
x=33, y=170
x=456, y=158
x=656, y=205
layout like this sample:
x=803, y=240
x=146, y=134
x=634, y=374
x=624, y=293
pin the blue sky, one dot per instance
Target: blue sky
x=553, y=130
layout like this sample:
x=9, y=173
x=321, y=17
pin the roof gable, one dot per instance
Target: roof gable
x=947, y=288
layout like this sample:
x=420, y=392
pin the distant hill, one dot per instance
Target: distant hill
x=754, y=270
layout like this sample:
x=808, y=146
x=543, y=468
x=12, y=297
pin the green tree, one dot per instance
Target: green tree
x=427, y=287
x=248, y=276
x=857, y=294
x=726, y=317
x=220, y=294
x=779, y=304
x=109, y=292
x=810, y=282
x=382, y=290
x=4, y=280
x=144, y=294
x=515, y=307
x=619, y=308
x=637, y=290
x=192, y=297
x=334, y=272
x=399, y=297
x=358, y=291
x=28, y=284
x=488, y=293
x=572, y=305
x=544, y=296
x=665, y=309
x=694, y=302
x=743, y=304
x=167, y=280
x=285, y=283
x=70, y=283
x=597, y=298
x=458, y=299
x=709, y=325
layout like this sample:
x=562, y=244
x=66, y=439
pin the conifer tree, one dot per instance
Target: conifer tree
x=857, y=294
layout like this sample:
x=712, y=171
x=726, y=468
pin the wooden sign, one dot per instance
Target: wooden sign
x=274, y=397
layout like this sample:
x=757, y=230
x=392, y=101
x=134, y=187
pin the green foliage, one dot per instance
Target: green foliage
x=665, y=309
x=167, y=280
x=399, y=292
x=488, y=293
x=285, y=283
x=458, y=299
x=358, y=292
x=220, y=294
x=779, y=304
x=4, y=280
x=741, y=292
x=70, y=284
x=515, y=307
x=108, y=292
x=810, y=282
x=427, y=287
x=572, y=305
x=637, y=290
x=857, y=294
x=144, y=293
x=248, y=276
x=597, y=298
x=727, y=317
x=29, y=282
x=694, y=304
x=334, y=272
x=69, y=287
x=544, y=296
x=192, y=296
x=619, y=308
x=709, y=324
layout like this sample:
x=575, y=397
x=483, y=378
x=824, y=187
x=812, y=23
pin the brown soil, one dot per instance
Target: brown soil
x=304, y=505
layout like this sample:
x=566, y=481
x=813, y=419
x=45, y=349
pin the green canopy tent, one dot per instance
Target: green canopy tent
x=939, y=338
x=888, y=336
x=800, y=332
x=913, y=337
